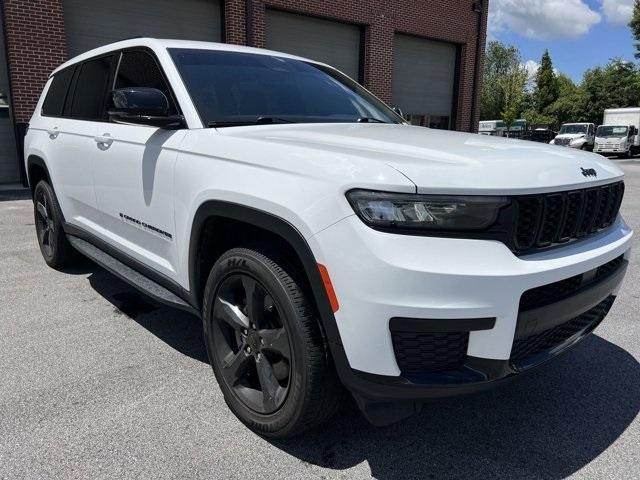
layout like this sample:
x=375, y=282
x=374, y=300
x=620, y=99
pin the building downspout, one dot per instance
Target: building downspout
x=478, y=7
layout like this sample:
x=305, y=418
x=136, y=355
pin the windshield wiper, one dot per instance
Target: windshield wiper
x=370, y=120
x=239, y=123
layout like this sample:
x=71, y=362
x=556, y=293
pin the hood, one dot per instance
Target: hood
x=438, y=161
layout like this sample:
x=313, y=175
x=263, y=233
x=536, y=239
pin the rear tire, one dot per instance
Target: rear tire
x=266, y=347
x=54, y=246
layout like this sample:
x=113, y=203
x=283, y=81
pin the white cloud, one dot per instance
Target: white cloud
x=531, y=66
x=542, y=19
x=618, y=12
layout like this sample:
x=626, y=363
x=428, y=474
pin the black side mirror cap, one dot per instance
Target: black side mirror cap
x=143, y=106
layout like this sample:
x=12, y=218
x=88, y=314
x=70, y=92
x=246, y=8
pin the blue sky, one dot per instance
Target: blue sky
x=580, y=34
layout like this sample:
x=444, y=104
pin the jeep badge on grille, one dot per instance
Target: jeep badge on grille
x=589, y=172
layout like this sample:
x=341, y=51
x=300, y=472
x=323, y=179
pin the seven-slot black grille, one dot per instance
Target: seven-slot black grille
x=418, y=352
x=525, y=348
x=557, y=218
x=554, y=292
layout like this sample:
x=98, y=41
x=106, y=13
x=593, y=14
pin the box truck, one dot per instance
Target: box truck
x=618, y=134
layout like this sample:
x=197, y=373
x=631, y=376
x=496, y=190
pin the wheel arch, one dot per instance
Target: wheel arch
x=37, y=170
x=277, y=226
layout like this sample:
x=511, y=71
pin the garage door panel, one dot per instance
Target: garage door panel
x=9, y=166
x=334, y=43
x=424, y=77
x=91, y=24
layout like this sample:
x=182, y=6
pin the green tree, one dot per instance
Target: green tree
x=634, y=24
x=500, y=61
x=570, y=105
x=616, y=85
x=512, y=88
x=546, y=87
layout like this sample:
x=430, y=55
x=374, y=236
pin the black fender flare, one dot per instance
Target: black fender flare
x=291, y=235
x=37, y=161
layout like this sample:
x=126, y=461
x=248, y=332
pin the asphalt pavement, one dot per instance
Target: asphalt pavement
x=96, y=382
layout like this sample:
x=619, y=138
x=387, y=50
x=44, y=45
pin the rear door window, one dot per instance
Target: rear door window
x=53, y=104
x=89, y=99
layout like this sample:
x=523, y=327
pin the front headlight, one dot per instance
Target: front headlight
x=578, y=141
x=425, y=212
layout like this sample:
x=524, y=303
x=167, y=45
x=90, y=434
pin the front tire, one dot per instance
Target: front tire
x=266, y=347
x=54, y=246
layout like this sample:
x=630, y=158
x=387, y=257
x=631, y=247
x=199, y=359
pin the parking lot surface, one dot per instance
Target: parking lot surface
x=96, y=382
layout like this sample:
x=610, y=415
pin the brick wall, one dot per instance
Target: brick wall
x=36, y=39
x=36, y=44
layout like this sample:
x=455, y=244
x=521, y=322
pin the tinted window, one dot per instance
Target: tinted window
x=91, y=89
x=54, y=101
x=244, y=88
x=139, y=69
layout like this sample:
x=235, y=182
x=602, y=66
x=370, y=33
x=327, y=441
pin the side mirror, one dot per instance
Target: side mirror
x=398, y=111
x=143, y=106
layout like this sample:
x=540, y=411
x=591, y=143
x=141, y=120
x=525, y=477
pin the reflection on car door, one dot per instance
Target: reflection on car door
x=134, y=174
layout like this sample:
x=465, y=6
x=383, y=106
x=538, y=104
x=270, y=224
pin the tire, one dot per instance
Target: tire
x=54, y=246
x=268, y=354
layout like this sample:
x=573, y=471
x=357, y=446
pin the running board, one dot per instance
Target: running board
x=147, y=286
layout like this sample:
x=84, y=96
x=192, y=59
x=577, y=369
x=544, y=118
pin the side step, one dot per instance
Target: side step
x=132, y=277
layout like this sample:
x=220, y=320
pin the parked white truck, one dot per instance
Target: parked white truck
x=618, y=135
x=576, y=135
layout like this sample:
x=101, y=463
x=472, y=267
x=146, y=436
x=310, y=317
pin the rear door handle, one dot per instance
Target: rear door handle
x=104, y=140
x=53, y=133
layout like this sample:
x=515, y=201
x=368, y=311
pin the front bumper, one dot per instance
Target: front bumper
x=610, y=151
x=435, y=281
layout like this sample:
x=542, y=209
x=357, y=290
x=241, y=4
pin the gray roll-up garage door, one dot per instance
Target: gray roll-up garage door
x=334, y=43
x=92, y=24
x=9, y=168
x=424, y=80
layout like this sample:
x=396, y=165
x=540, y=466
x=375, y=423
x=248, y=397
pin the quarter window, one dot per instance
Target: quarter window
x=139, y=69
x=57, y=94
x=91, y=88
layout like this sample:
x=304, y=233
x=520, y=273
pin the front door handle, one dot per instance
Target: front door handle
x=53, y=133
x=104, y=141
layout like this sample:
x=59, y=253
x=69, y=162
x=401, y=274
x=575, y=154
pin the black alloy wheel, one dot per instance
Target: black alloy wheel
x=252, y=342
x=265, y=343
x=54, y=246
x=45, y=227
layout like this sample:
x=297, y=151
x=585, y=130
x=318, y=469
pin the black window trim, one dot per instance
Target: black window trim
x=115, y=66
x=154, y=57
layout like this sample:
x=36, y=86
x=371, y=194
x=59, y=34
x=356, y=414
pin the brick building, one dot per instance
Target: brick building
x=420, y=55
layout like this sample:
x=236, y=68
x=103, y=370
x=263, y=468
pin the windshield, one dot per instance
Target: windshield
x=237, y=88
x=611, y=131
x=573, y=129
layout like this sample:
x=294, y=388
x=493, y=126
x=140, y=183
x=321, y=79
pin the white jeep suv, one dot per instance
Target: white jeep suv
x=324, y=242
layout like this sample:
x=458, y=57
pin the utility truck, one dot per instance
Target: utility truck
x=618, y=135
x=576, y=135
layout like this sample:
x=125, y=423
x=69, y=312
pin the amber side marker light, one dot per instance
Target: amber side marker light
x=328, y=287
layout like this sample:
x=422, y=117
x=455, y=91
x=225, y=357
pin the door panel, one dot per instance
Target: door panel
x=70, y=148
x=134, y=190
